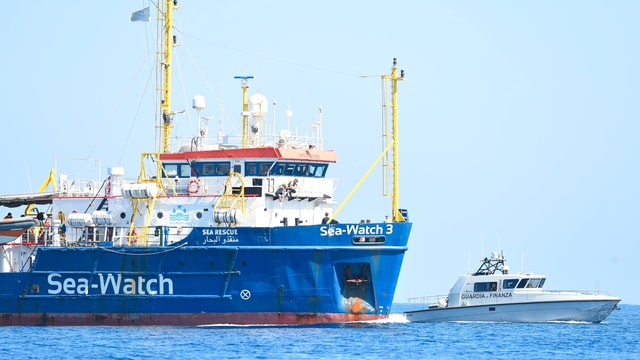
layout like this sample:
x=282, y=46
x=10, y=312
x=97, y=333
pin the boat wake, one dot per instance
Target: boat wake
x=392, y=319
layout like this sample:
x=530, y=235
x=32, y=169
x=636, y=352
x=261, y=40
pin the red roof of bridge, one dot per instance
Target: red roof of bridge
x=267, y=153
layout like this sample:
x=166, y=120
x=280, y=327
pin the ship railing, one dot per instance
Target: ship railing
x=101, y=235
x=144, y=236
x=285, y=140
x=109, y=234
x=79, y=188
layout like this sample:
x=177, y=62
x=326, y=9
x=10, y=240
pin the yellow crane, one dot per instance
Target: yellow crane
x=50, y=180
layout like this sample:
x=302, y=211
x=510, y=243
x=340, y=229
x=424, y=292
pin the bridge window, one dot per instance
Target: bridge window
x=185, y=170
x=300, y=169
x=485, y=286
x=218, y=168
x=317, y=170
x=509, y=283
x=252, y=168
x=535, y=283
x=208, y=169
x=265, y=168
x=177, y=170
x=260, y=168
x=279, y=169
x=171, y=170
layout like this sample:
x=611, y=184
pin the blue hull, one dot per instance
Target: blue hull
x=287, y=275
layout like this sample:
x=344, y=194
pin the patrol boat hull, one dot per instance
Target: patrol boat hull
x=594, y=311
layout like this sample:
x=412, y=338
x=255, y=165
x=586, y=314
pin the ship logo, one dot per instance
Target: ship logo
x=179, y=213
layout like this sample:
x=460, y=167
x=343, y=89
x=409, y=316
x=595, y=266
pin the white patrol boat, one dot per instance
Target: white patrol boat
x=493, y=294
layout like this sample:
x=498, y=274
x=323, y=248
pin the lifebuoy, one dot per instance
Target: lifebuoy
x=194, y=186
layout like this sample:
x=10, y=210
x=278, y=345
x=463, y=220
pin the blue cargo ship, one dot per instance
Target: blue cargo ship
x=213, y=232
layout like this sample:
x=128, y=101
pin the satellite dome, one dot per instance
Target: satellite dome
x=199, y=102
x=259, y=105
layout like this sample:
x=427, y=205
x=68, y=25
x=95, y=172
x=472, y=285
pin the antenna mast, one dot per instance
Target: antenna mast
x=244, y=80
x=395, y=200
x=166, y=21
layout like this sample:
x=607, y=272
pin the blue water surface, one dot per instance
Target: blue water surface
x=618, y=337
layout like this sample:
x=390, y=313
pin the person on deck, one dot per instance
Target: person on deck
x=281, y=191
x=325, y=219
x=292, y=187
x=8, y=217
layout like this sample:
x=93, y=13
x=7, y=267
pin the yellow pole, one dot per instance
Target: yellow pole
x=166, y=71
x=395, y=201
x=245, y=108
x=245, y=114
x=396, y=216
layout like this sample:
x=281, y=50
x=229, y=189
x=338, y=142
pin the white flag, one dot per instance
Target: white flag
x=141, y=15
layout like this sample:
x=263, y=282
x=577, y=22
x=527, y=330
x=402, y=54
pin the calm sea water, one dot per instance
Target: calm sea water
x=616, y=338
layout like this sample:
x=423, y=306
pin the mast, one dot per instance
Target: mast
x=244, y=81
x=391, y=144
x=395, y=200
x=166, y=21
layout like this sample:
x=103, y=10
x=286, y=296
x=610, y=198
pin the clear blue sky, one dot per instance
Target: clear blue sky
x=519, y=119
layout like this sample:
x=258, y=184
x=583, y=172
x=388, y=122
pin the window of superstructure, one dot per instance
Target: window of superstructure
x=255, y=168
x=177, y=170
x=279, y=169
x=217, y=168
x=290, y=169
x=509, y=283
x=250, y=169
x=522, y=283
x=283, y=168
x=223, y=169
x=534, y=283
x=265, y=168
x=208, y=169
x=171, y=170
x=317, y=170
x=185, y=170
x=485, y=286
x=299, y=169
